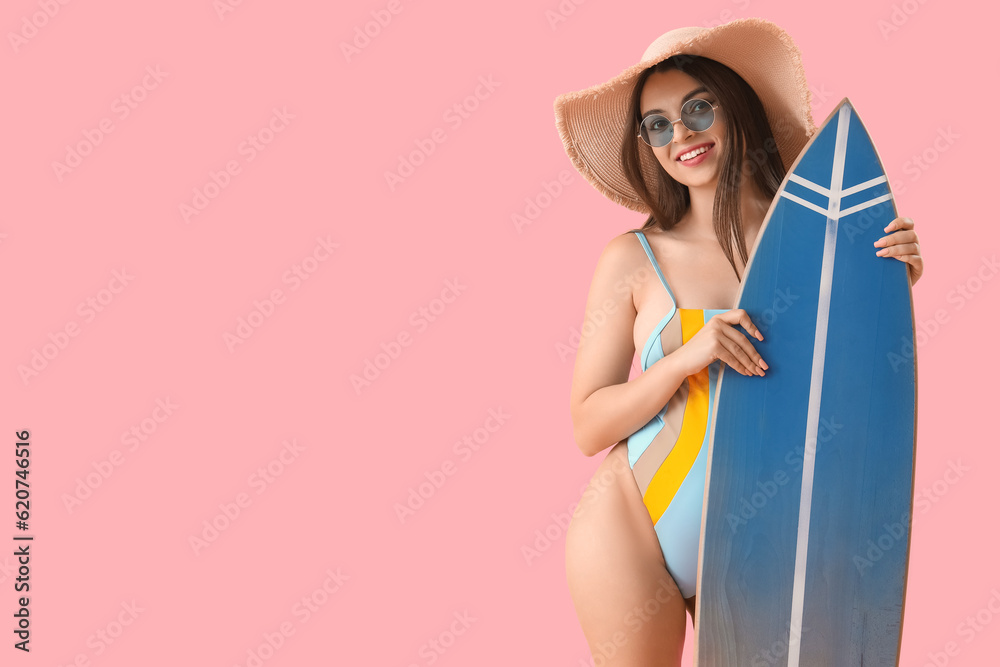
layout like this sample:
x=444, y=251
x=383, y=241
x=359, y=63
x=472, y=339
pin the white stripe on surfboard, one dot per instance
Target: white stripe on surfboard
x=803, y=202
x=828, y=212
x=862, y=186
x=816, y=388
x=816, y=187
x=862, y=206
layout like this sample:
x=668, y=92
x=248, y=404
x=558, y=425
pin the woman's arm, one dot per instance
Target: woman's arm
x=605, y=406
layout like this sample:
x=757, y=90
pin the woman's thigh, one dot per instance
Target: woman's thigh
x=629, y=607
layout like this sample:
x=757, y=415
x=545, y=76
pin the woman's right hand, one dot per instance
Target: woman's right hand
x=719, y=339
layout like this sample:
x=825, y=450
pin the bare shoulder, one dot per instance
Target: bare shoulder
x=621, y=267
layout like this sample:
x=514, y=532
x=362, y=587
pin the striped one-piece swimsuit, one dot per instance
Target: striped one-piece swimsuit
x=668, y=454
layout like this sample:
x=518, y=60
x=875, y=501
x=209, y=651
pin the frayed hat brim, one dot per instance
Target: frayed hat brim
x=591, y=121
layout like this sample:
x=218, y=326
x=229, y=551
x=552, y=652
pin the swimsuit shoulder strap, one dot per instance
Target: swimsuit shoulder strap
x=656, y=266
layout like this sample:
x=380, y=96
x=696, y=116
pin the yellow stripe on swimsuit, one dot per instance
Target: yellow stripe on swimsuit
x=668, y=455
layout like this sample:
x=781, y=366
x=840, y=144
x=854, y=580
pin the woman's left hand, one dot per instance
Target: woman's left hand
x=903, y=245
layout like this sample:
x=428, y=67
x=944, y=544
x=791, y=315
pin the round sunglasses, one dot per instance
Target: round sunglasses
x=697, y=115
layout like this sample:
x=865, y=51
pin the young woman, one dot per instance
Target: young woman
x=698, y=136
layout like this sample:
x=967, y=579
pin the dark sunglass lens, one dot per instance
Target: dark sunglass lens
x=657, y=131
x=698, y=115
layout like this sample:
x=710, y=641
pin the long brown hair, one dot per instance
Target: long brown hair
x=747, y=125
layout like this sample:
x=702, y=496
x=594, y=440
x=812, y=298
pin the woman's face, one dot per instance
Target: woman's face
x=665, y=93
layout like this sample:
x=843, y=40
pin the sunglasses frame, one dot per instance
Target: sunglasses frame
x=642, y=121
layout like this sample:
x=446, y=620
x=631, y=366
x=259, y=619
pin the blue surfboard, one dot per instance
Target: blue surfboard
x=809, y=493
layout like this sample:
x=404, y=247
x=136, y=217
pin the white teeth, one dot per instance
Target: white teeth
x=694, y=153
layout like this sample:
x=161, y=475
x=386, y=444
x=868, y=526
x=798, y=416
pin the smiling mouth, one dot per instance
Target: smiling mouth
x=699, y=151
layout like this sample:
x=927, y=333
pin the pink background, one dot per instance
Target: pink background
x=118, y=539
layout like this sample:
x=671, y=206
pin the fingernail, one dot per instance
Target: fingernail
x=882, y=251
x=763, y=363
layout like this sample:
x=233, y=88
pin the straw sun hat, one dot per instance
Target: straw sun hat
x=591, y=121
